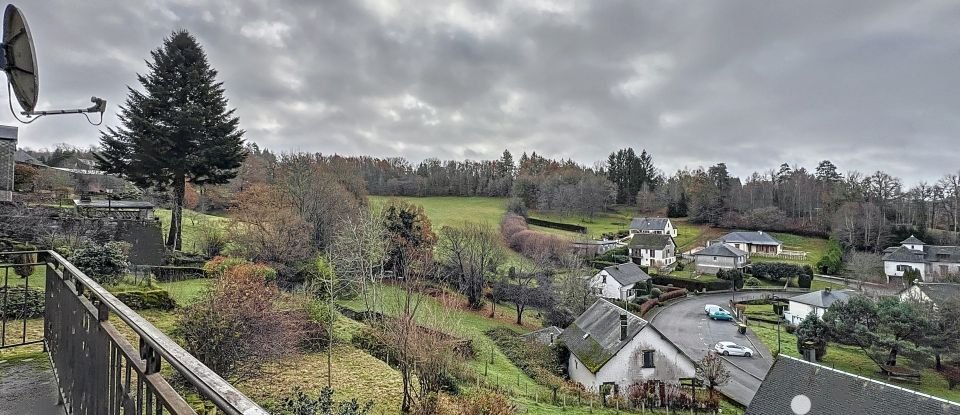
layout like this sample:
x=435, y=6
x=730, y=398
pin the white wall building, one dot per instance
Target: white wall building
x=932, y=293
x=611, y=346
x=816, y=302
x=658, y=226
x=618, y=281
x=652, y=250
x=933, y=261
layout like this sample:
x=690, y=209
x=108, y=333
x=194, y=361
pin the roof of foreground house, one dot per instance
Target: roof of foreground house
x=939, y=293
x=594, y=337
x=753, y=238
x=822, y=298
x=793, y=382
x=720, y=250
x=912, y=240
x=930, y=253
x=627, y=274
x=650, y=241
x=649, y=224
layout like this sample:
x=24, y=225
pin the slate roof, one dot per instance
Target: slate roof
x=930, y=253
x=753, y=238
x=834, y=392
x=912, y=240
x=940, y=293
x=720, y=249
x=627, y=274
x=546, y=335
x=650, y=241
x=594, y=337
x=822, y=298
x=23, y=157
x=649, y=224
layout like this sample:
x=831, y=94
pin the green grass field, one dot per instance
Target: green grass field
x=193, y=224
x=443, y=210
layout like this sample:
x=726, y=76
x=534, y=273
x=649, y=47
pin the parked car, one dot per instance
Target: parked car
x=720, y=314
x=709, y=308
x=732, y=349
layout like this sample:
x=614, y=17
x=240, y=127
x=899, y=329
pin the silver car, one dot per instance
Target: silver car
x=732, y=349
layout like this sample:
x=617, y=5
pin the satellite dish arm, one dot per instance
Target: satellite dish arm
x=99, y=105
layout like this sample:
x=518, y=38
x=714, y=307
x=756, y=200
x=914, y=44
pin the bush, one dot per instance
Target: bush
x=814, y=330
x=147, y=300
x=910, y=276
x=832, y=260
x=516, y=206
x=218, y=266
x=105, y=263
x=752, y=282
x=680, y=266
x=166, y=273
x=557, y=225
x=790, y=328
x=212, y=239
x=691, y=285
x=26, y=270
x=775, y=271
x=485, y=402
x=21, y=302
x=655, y=293
x=952, y=374
x=299, y=403
x=805, y=281
x=669, y=295
x=647, y=305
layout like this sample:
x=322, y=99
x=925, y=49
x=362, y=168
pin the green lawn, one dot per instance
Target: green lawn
x=851, y=359
x=193, y=225
x=451, y=210
x=184, y=292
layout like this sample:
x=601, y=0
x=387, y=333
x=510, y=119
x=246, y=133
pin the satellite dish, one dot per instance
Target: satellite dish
x=19, y=58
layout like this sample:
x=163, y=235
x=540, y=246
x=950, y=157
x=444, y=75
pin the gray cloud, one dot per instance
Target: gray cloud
x=868, y=84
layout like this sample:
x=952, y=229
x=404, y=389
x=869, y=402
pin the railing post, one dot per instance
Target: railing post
x=103, y=312
x=150, y=357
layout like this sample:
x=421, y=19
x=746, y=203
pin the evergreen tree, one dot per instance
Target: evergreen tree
x=177, y=129
x=827, y=172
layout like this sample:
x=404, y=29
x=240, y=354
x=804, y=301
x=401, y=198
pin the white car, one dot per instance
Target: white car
x=732, y=349
x=709, y=308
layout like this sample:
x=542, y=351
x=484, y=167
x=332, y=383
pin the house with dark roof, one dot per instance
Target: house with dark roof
x=618, y=281
x=751, y=242
x=816, y=302
x=933, y=261
x=934, y=293
x=613, y=347
x=795, y=386
x=718, y=257
x=546, y=335
x=652, y=250
x=657, y=226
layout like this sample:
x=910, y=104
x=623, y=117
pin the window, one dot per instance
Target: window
x=903, y=268
x=604, y=278
x=648, y=359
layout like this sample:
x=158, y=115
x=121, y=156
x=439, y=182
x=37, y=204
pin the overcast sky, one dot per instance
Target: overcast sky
x=868, y=84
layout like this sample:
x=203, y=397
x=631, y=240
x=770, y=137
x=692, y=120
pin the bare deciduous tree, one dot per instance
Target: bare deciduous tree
x=473, y=251
x=711, y=371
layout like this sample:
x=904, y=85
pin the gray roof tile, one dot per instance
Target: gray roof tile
x=823, y=298
x=650, y=241
x=940, y=293
x=627, y=274
x=594, y=337
x=649, y=224
x=834, y=392
x=719, y=249
x=912, y=240
x=753, y=238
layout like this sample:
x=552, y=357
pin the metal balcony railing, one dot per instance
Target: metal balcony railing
x=97, y=370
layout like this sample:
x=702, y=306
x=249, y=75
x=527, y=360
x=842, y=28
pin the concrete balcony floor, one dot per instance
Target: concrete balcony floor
x=27, y=386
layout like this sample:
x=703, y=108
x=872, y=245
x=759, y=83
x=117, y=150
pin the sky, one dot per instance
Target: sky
x=871, y=85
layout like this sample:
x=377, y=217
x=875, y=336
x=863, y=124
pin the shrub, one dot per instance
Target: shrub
x=299, y=403
x=105, y=263
x=25, y=270
x=516, y=206
x=485, y=402
x=691, y=285
x=218, y=266
x=680, y=266
x=775, y=271
x=147, y=300
x=805, y=281
x=910, y=276
x=832, y=260
x=647, y=305
x=952, y=374
x=655, y=293
x=751, y=282
x=790, y=328
x=21, y=302
x=170, y=273
x=238, y=325
x=212, y=239
x=669, y=295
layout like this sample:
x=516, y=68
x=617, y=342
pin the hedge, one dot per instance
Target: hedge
x=647, y=305
x=147, y=300
x=832, y=260
x=169, y=273
x=669, y=295
x=16, y=307
x=557, y=225
x=776, y=271
x=692, y=285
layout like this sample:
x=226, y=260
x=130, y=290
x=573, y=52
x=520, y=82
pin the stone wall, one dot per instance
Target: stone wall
x=8, y=148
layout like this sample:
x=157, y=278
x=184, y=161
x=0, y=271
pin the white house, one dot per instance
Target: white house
x=758, y=242
x=816, y=302
x=654, y=250
x=611, y=346
x=931, y=292
x=618, y=281
x=933, y=261
x=718, y=257
x=659, y=226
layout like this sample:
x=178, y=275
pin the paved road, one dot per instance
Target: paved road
x=686, y=325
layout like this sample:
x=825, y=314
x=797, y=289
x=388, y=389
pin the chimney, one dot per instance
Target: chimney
x=8, y=148
x=623, y=327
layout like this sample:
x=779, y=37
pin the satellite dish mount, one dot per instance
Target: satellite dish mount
x=18, y=60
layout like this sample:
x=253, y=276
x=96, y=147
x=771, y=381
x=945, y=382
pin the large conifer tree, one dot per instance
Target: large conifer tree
x=177, y=129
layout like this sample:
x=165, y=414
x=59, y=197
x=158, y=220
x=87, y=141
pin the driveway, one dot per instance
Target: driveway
x=686, y=325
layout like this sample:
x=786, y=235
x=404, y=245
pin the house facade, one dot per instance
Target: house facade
x=652, y=250
x=933, y=261
x=718, y=257
x=618, y=281
x=657, y=226
x=611, y=347
x=932, y=293
x=816, y=303
x=758, y=242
